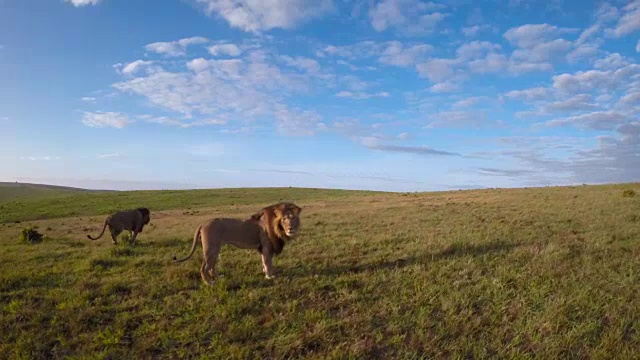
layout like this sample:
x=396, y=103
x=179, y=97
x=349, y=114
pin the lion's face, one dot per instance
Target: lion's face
x=290, y=222
x=146, y=215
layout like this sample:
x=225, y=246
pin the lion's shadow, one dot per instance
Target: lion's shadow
x=452, y=251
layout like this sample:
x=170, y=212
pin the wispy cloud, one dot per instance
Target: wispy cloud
x=361, y=95
x=109, y=155
x=133, y=67
x=375, y=144
x=105, y=119
x=256, y=16
x=79, y=3
x=628, y=22
x=40, y=158
x=175, y=48
x=406, y=16
x=420, y=150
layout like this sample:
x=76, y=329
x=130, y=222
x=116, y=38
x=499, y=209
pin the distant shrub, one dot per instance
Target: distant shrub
x=30, y=235
x=628, y=193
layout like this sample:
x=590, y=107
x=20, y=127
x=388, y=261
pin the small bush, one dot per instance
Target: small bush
x=628, y=193
x=30, y=235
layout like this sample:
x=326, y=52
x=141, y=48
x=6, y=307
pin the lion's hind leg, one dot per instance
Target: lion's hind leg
x=207, y=274
x=114, y=235
x=208, y=269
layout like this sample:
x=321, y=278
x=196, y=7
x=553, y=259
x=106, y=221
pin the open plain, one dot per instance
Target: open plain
x=499, y=273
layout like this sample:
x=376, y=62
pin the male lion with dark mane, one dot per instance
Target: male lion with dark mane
x=266, y=231
x=130, y=220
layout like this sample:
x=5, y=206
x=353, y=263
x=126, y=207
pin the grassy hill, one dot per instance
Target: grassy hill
x=11, y=191
x=63, y=203
x=511, y=273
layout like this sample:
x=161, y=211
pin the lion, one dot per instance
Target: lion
x=266, y=231
x=131, y=220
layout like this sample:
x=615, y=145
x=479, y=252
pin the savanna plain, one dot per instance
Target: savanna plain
x=550, y=273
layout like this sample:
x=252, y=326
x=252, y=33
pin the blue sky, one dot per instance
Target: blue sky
x=401, y=95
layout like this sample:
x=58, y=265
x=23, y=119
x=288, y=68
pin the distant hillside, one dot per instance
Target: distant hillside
x=11, y=191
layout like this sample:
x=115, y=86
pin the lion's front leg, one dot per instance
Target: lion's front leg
x=267, y=264
x=133, y=237
x=267, y=256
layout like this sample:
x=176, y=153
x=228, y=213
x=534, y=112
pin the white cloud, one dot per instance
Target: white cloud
x=400, y=55
x=458, y=118
x=164, y=120
x=444, y=87
x=476, y=49
x=307, y=65
x=224, y=49
x=246, y=91
x=588, y=33
x=298, y=122
x=410, y=16
x=581, y=52
x=175, y=48
x=107, y=156
x=89, y=99
x=638, y=46
x=544, y=51
x=599, y=120
x=630, y=100
x=581, y=102
x=40, y=158
x=529, y=95
x=419, y=150
x=600, y=80
x=437, y=70
x=607, y=13
x=531, y=35
x=611, y=62
x=468, y=102
x=135, y=66
x=391, y=52
x=260, y=15
x=361, y=95
x=354, y=83
x=78, y=3
x=629, y=22
x=499, y=63
x=474, y=30
x=233, y=87
x=105, y=119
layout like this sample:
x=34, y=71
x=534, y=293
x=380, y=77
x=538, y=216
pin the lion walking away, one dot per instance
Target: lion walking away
x=266, y=231
x=130, y=220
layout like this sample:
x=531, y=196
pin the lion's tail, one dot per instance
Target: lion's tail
x=196, y=238
x=106, y=221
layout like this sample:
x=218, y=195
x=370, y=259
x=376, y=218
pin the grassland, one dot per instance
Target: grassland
x=23, y=191
x=517, y=273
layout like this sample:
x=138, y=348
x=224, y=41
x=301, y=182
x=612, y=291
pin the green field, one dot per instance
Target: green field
x=551, y=273
x=23, y=191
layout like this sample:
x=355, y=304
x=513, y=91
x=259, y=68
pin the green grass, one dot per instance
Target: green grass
x=68, y=203
x=522, y=273
x=22, y=191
